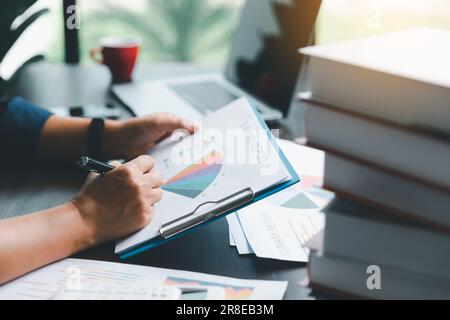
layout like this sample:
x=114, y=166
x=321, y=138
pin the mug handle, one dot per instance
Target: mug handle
x=96, y=55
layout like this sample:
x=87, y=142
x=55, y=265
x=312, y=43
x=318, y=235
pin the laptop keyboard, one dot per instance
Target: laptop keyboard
x=205, y=96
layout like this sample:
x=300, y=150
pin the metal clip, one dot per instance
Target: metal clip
x=216, y=209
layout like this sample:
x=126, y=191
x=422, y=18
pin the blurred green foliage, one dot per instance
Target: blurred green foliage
x=175, y=30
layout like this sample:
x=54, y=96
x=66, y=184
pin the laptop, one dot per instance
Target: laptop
x=263, y=65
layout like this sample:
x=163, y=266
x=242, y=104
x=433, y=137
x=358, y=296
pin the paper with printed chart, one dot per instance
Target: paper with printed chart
x=279, y=232
x=279, y=226
x=231, y=152
x=47, y=282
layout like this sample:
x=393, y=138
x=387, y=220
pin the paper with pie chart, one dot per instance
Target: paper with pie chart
x=193, y=180
x=198, y=172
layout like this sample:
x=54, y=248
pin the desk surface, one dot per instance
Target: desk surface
x=31, y=189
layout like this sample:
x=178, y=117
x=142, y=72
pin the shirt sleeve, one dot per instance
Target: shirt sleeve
x=21, y=123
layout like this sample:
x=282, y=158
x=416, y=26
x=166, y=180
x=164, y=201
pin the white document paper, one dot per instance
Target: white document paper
x=99, y=291
x=280, y=233
x=240, y=241
x=230, y=153
x=47, y=282
x=232, y=242
x=309, y=163
x=279, y=226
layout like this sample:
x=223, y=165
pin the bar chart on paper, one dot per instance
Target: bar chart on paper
x=231, y=292
x=193, y=180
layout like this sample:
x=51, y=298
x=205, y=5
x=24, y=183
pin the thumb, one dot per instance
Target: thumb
x=115, y=163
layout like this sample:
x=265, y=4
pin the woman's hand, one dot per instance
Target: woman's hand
x=65, y=138
x=130, y=138
x=121, y=201
x=108, y=207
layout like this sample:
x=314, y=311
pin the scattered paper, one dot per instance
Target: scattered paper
x=279, y=226
x=316, y=242
x=232, y=242
x=100, y=291
x=280, y=233
x=307, y=162
x=238, y=235
x=46, y=283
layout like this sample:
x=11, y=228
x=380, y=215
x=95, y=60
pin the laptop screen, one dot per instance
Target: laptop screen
x=264, y=60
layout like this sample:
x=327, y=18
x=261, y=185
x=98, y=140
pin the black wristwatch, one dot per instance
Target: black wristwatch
x=95, y=138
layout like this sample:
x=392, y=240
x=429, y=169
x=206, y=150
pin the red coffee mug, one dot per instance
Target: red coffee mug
x=119, y=54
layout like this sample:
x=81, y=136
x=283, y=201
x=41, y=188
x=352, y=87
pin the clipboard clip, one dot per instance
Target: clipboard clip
x=198, y=216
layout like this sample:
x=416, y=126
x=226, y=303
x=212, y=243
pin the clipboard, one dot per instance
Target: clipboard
x=215, y=209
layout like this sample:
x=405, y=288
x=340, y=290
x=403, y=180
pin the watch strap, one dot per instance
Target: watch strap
x=95, y=137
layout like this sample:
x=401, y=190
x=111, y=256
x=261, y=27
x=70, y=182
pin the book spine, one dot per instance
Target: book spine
x=404, y=246
x=350, y=277
x=387, y=191
x=381, y=95
x=420, y=157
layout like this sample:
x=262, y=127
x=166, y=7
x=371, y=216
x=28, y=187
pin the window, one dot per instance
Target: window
x=170, y=30
x=202, y=30
x=341, y=20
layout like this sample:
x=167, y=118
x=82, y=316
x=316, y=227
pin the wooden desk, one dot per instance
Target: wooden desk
x=35, y=188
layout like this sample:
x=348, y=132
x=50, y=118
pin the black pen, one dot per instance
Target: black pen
x=93, y=165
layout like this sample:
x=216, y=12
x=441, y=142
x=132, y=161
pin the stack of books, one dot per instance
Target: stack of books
x=380, y=108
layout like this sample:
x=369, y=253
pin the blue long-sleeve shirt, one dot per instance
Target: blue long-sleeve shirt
x=21, y=123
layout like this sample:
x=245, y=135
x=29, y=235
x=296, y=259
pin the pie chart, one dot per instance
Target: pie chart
x=193, y=180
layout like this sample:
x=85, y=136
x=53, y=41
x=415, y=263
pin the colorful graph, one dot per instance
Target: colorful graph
x=320, y=196
x=231, y=292
x=196, y=178
x=299, y=201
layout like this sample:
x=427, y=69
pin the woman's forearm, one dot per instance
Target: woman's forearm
x=63, y=138
x=31, y=241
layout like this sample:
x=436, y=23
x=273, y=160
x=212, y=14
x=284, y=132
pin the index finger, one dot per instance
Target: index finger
x=171, y=122
x=144, y=163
